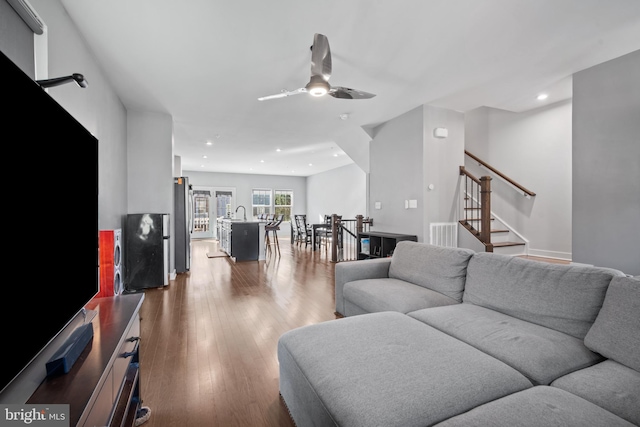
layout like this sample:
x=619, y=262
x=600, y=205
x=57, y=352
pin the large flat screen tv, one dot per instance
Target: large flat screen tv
x=50, y=221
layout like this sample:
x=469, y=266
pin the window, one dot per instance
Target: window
x=261, y=202
x=283, y=200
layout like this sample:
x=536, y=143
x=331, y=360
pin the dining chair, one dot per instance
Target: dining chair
x=303, y=232
x=325, y=234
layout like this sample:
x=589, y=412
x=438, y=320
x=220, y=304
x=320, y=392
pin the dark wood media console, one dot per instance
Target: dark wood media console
x=102, y=388
x=380, y=244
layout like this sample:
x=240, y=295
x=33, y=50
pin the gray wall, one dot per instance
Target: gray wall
x=534, y=149
x=340, y=191
x=396, y=174
x=245, y=183
x=405, y=159
x=606, y=164
x=16, y=39
x=442, y=160
x=149, y=162
x=97, y=107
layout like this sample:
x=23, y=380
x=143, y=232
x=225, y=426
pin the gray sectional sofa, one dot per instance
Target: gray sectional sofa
x=447, y=337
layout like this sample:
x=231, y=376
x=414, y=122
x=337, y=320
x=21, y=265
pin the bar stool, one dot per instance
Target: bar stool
x=273, y=227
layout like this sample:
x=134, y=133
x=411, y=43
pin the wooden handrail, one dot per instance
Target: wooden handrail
x=500, y=174
x=464, y=171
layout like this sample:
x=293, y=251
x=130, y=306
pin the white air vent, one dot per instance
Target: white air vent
x=444, y=234
x=28, y=15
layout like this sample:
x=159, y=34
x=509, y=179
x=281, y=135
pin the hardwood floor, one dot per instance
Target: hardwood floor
x=208, y=340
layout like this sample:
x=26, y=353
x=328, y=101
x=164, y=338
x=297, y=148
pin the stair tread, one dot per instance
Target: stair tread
x=503, y=244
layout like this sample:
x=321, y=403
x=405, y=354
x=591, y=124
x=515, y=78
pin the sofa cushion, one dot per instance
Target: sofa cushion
x=375, y=295
x=541, y=354
x=609, y=384
x=385, y=369
x=348, y=271
x=535, y=407
x=616, y=332
x=563, y=297
x=438, y=268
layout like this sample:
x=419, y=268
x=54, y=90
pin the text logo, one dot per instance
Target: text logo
x=34, y=415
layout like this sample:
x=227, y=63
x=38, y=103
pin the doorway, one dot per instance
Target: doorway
x=209, y=204
x=203, y=225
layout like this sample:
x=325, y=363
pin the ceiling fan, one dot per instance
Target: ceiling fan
x=320, y=73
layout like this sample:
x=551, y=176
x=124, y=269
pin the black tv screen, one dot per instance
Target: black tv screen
x=50, y=220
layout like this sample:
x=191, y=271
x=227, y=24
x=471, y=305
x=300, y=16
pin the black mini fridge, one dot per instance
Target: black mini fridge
x=146, y=251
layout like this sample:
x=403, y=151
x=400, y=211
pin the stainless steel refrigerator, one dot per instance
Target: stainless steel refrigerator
x=146, y=251
x=183, y=227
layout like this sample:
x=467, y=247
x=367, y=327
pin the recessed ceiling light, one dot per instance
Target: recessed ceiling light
x=209, y=143
x=542, y=96
x=201, y=166
x=310, y=164
x=261, y=161
x=204, y=157
x=278, y=150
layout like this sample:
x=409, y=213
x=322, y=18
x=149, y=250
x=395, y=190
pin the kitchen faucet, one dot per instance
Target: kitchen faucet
x=243, y=210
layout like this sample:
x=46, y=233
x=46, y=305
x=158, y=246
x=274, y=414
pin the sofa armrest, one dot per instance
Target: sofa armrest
x=349, y=271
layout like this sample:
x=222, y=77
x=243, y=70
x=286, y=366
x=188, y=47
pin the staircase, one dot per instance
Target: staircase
x=496, y=235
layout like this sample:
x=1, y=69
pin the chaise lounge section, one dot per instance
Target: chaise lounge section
x=481, y=339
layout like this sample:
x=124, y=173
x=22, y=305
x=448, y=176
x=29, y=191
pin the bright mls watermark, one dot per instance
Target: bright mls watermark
x=34, y=415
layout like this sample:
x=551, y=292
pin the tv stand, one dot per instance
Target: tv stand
x=103, y=386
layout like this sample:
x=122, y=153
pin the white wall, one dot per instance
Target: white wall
x=534, y=149
x=340, y=191
x=606, y=164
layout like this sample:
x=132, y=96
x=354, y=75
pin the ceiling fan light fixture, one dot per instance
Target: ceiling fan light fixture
x=317, y=86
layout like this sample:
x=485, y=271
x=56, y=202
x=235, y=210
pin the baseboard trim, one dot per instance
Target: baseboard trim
x=566, y=256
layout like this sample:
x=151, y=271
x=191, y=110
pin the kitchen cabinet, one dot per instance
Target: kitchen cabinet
x=242, y=240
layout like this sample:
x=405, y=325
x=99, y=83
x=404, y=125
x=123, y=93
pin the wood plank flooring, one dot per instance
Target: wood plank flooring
x=208, y=340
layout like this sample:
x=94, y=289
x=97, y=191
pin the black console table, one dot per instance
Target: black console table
x=379, y=244
x=102, y=388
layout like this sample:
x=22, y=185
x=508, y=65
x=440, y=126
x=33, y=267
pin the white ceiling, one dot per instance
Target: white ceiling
x=205, y=62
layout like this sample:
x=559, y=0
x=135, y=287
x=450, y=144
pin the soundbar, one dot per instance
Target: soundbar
x=63, y=359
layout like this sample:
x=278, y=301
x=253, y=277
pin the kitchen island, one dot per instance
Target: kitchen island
x=242, y=240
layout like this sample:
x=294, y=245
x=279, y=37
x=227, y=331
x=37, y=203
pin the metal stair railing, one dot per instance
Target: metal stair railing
x=344, y=236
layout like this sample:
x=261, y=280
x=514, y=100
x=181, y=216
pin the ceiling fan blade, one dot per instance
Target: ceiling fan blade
x=283, y=94
x=321, y=57
x=348, y=93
